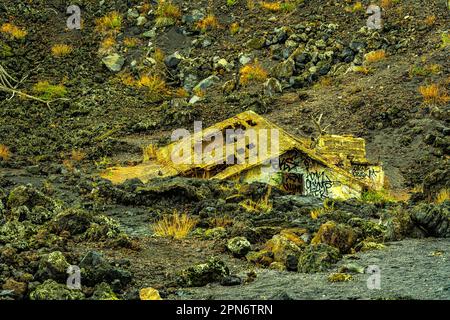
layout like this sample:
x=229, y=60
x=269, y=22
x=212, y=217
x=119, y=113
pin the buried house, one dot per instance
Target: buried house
x=249, y=148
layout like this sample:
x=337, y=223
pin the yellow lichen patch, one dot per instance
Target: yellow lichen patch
x=339, y=277
x=176, y=226
x=442, y=196
x=433, y=94
x=13, y=30
x=368, y=245
x=149, y=294
x=375, y=56
x=430, y=20
x=110, y=23
x=386, y=4
x=61, y=50
x=5, y=154
x=252, y=73
x=208, y=23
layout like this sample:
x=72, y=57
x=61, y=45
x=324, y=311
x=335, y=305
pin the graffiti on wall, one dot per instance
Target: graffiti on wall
x=363, y=172
x=299, y=176
x=293, y=182
x=317, y=184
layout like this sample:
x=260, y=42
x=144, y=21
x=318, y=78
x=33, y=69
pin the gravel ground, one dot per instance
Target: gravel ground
x=409, y=269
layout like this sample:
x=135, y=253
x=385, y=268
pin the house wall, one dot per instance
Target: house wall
x=299, y=174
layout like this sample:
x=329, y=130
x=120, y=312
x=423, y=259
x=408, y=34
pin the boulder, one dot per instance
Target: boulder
x=317, y=258
x=52, y=266
x=434, y=219
x=51, y=290
x=103, y=291
x=114, y=62
x=149, y=294
x=340, y=236
x=200, y=275
x=239, y=246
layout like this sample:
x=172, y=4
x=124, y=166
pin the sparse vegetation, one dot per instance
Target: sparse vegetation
x=130, y=42
x=13, y=31
x=208, y=23
x=167, y=14
x=433, y=94
x=156, y=87
x=442, y=196
x=5, y=154
x=376, y=196
x=61, y=50
x=375, y=56
x=77, y=155
x=110, y=23
x=262, y=205
x=107, y=45
x=252, y=73
x=176, y=226
x=46, y=91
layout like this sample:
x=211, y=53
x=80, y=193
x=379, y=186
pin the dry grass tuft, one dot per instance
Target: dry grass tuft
x=156, y=87
x=14, y=31
x=47, y=91
x=176, y=226
x=110, y=23
x=208, y=23
x=433, y=94
x=442, y=196
x=252, y=73
x=5, y=154
x=167, y=14
x=375, y=56
x=61, y=50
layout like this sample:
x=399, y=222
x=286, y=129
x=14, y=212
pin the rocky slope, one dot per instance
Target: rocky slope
x=127, y=80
